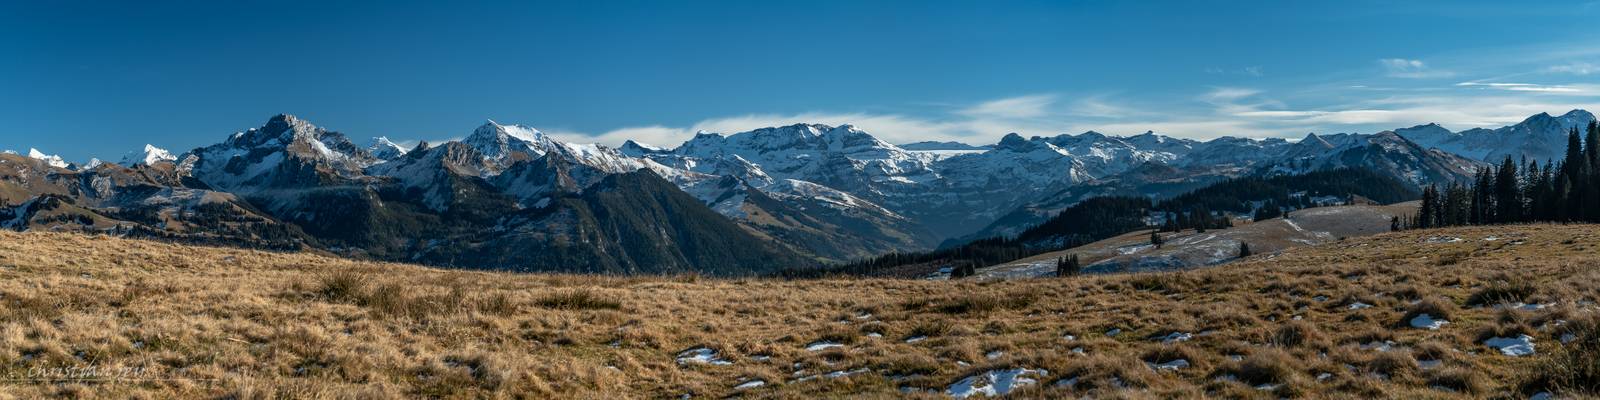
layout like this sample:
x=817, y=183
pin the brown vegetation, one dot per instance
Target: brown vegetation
x=198, y=322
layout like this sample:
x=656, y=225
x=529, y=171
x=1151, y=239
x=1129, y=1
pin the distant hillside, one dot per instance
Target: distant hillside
x=1240, y=195
x=1134, y=252
x=1100, y=218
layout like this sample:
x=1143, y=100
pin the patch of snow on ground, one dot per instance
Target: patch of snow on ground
x=1516, y=347
x=1176, y=337
x=1441, y=239
x=1293, y=225
x=995, y=383
x=1126, y=250
x=701, y=355
x=1425, y=321
x=822, y=345
x=1359, y=305
x=841, y=374
x=915, y=339
x=1173, y=365
x=755, y=383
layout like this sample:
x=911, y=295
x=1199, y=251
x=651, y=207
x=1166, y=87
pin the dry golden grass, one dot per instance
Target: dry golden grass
x=194, y=322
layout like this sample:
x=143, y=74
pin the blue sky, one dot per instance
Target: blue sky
x=87, y=78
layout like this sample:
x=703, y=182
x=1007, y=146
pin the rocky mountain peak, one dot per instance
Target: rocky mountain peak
x=149, y=155
x=1014, y=142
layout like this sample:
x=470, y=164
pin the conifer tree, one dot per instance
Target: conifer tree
x=1068, y=265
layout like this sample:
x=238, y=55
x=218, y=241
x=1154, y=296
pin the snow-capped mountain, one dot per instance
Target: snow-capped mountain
x=505, y=144
x=286, y=153
x=384, y=149
x=941, y=146
x=149, y=155
x=1540, y=137
x=48, y=159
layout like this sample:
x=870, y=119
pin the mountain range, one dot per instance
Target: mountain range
x=512, y=197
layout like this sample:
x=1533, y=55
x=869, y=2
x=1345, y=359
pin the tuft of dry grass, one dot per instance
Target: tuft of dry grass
x=1265, y=367
x=577, y=299
x=1573, y=368
x=1502, y=292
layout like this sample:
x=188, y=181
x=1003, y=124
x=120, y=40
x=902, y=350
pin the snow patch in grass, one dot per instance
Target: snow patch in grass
x=1173, y=365
x=1425, y=321
x=841, y=374
x=752, y=384
x=822, y=345
x=701, y=355
x=1359, y=305
x=995, y=382
x=1176, y=337
x=1516, y=347
x=915, y=339
x=1378, y=346
x=1441, y=239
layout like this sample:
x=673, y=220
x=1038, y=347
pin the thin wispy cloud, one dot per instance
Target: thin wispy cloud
x=1015, y=107
x=1522, y=87
x=1410, y=68
x=1253, y=70
x=1575, y=68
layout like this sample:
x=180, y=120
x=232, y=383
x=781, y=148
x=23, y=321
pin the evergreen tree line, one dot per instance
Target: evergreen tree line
x=1520, y=191
x=1276, y=194
x=1199, y=219
x=1271, y=197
